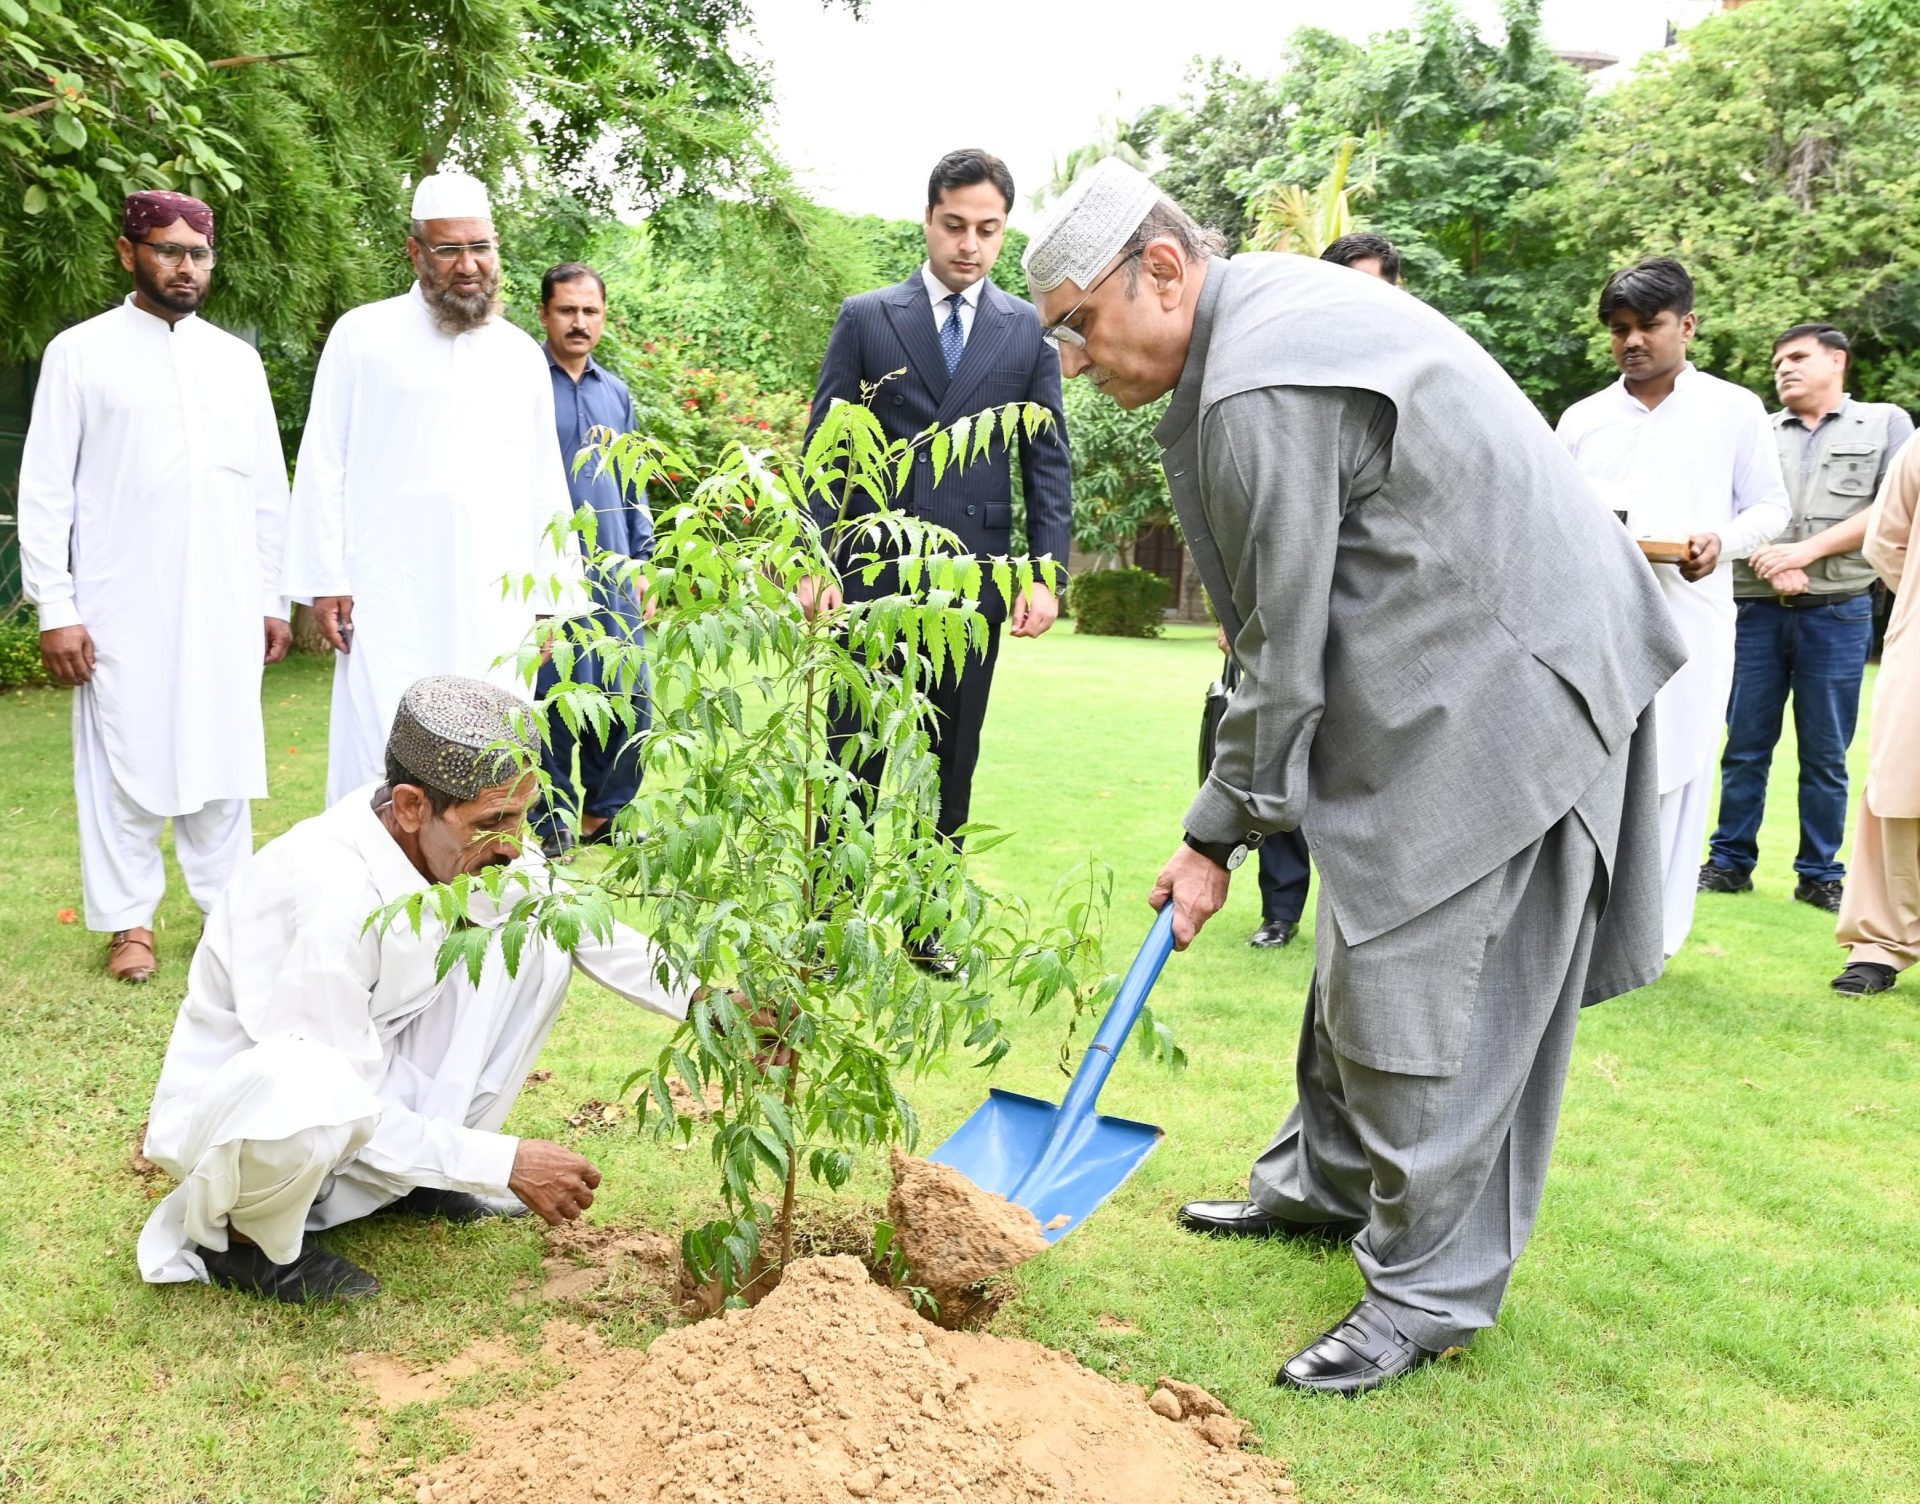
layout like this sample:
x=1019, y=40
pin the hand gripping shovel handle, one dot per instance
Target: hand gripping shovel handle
x=1097, y=1064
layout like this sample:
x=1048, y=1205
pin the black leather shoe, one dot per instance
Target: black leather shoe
x=932, y=958
x=1722, y=880
x=1244, y=1219
x=454, y=1206
x=1273, y=934
x=1363, y=1352
x=314, y=1275
x=1864, y=978
x=1822, y=893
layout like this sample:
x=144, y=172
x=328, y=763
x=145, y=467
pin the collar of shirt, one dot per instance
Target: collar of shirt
x=938, y=292
x=1689, y=376
x=138, y=312
x=1788, y=418
x=394, y=876
x=592, y=367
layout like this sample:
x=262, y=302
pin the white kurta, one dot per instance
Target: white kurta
x=1703, y=461
x=299, y=1018
x=428, y=474
x=153, y=508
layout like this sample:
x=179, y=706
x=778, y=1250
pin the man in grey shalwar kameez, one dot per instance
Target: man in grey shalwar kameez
x=1450, y=651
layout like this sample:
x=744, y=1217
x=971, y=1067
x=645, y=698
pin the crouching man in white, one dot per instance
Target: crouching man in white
x=318, y=1072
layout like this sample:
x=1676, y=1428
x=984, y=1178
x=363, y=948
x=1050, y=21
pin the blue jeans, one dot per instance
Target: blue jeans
x=1817, y=654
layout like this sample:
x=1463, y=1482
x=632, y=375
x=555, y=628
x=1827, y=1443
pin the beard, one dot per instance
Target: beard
x=457, y=312
x=180, y=300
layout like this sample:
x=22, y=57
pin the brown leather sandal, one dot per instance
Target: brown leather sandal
x=131, y=956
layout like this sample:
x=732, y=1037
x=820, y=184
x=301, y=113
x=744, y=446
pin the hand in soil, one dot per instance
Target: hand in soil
x=552, y=1180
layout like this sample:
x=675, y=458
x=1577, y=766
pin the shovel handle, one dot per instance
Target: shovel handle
x=1097, y=1064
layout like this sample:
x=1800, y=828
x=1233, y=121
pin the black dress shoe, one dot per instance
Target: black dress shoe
x=1822, y=893
x=453, y=1206
x=1714, y=879
x=1363, y=1352
x=314, y=1275
x=1245, y=1219
x=1274, y=933
x=1864, y=978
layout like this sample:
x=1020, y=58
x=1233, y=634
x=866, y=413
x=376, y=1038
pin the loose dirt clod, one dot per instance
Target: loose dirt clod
x=954, y=1235
x=832, y=1390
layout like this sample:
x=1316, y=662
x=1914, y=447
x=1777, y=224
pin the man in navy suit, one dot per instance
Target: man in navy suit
x=964, y=345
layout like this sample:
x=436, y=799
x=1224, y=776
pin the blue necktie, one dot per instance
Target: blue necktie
x=953, y=339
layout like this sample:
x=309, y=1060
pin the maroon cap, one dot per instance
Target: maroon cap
x=156, y=207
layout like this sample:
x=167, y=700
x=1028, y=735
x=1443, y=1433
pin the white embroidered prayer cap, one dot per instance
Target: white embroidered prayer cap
x=451, y=195
x=1091, y=224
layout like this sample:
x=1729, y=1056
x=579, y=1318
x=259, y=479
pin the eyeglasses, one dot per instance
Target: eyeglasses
x=169, y=254
x=478, y=249
x=1059, y=334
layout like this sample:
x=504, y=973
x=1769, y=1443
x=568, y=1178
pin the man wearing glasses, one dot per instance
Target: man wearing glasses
x=153, y=505
x=1449, y=648
x=429, y=472
x=939, y=346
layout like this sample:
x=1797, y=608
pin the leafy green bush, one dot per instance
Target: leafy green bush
x=1119, y=489
x=698, y=411
x=20, y=663
x=1119, y=602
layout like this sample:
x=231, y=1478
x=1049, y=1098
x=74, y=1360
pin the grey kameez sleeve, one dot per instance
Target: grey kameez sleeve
x=1280, y=466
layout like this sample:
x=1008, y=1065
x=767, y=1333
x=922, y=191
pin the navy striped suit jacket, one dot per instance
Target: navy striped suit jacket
x=1005, y=361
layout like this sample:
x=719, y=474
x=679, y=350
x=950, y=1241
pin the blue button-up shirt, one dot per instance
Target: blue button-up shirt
x=599, y=399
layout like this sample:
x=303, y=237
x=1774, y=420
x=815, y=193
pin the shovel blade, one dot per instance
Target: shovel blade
x=999, y=1147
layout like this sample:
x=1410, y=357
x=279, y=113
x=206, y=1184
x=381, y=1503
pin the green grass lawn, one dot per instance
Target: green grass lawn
x=1722, y=1301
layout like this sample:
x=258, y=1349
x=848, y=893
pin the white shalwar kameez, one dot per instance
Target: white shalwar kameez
x=1703, y=461
x=153, y=510
x=318, y=1071
x=429, y=472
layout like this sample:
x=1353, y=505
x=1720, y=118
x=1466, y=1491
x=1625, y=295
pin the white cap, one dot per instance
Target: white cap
x=1091, y=224
x=451, y=195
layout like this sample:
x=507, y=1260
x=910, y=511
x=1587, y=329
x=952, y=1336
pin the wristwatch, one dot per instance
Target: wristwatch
x=1228, y=854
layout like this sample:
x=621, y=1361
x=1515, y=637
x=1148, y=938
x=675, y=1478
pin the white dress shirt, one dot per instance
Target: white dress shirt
x=429, y=472
x=1703, y=461
x=938, y=293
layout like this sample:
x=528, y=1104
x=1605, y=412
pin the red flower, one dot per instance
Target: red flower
x=765, y=424
x=692, y=405
x=67, y=916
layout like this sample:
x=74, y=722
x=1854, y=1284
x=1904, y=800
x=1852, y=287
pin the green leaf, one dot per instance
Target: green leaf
x=34, y=200
x=68, y=131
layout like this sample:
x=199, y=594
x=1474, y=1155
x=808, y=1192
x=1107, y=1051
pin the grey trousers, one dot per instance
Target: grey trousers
x=1446, y=1169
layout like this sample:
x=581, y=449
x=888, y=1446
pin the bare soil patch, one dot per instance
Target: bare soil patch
x=602, y=1269
x=831, y=1389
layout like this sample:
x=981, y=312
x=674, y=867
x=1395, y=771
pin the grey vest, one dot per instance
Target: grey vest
x=1843, y=480
x=1493, y=634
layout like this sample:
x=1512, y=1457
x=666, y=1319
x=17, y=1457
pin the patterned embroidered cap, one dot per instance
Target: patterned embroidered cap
x=1092, y=224
x=156, y=208
x=458, y=735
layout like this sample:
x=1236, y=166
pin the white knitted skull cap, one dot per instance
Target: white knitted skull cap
x=1091, y=224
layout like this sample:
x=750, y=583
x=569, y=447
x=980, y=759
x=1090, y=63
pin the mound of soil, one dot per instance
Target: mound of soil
x=832, y=1390
x=954, y=1235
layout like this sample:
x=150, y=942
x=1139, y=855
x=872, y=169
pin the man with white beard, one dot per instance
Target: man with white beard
x=429, y=473
x=153, y=501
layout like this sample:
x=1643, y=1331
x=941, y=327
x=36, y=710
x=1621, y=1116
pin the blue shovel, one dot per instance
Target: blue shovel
x=1062, y=1162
